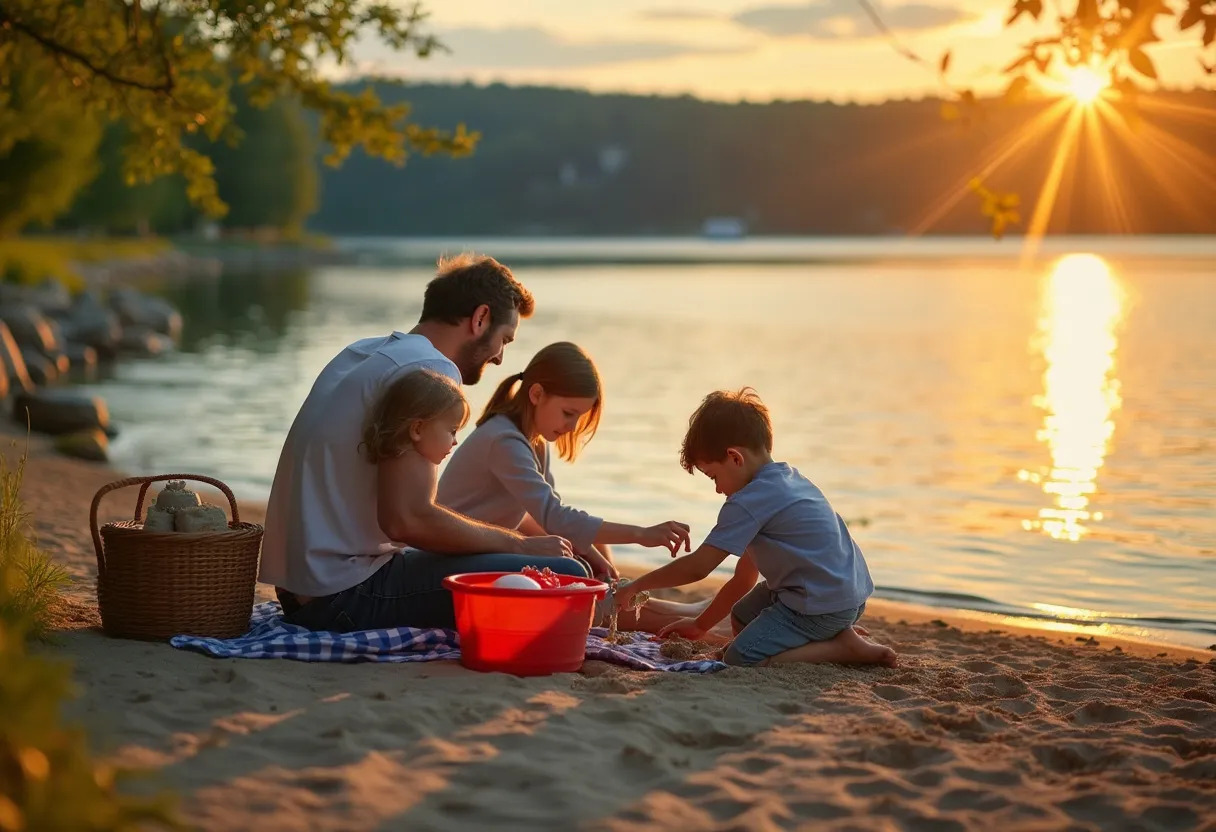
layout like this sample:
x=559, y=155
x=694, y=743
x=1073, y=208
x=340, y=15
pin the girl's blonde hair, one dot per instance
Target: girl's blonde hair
x=420, y=395
x=561, y=369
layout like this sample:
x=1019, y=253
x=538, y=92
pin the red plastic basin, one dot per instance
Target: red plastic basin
x=525, y=632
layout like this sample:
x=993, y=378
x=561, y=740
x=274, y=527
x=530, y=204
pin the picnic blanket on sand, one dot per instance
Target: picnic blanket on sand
x=270, y=637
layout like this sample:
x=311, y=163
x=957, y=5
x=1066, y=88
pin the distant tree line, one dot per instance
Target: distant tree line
x=557, y=161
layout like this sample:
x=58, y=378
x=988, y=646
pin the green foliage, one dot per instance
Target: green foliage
x=30, y=260
x=168, y=72
x=270, y=178
x=48, y=778
x=110, y=205
x=33, y=579
x=47, y=150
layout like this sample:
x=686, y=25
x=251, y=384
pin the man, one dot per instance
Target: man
x=335, y=531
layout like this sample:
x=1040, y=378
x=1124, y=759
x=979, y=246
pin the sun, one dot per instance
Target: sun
x=1084, y=84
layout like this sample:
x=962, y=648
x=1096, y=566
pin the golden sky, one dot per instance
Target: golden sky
x=756, y=50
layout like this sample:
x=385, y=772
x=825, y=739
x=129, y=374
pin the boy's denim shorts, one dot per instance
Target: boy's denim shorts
x=770, y=627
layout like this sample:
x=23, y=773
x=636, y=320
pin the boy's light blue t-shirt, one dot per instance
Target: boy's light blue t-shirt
x=800, y=545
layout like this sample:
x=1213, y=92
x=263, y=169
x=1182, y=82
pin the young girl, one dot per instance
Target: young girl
x=501, y=473
x=421, y=412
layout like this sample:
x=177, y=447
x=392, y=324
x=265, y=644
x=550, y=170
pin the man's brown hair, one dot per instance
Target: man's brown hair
x=726, y=420
x=467, y=281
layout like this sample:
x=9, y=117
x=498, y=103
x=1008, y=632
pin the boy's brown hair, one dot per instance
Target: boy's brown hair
x=419, y=395
x=726, y=420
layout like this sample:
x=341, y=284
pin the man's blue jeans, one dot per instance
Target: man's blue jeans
x=408, y=591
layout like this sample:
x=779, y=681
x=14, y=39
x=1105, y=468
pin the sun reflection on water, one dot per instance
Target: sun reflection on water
x=1082, y=306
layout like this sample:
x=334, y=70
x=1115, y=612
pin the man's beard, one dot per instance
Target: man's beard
x=473, y=359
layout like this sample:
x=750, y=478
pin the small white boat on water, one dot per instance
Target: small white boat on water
x=724, y=228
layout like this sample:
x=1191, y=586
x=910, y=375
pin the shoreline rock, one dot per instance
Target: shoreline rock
x=49, y=337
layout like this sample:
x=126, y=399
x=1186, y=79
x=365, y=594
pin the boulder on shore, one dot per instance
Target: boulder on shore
x=42, y=370
x=89, y=322
x=30, y=328
x=83, y=359
x=140, y=340
x=51, y=297
x=12, y=362
x=136, y=309
x=61, y=411
x=85, y=444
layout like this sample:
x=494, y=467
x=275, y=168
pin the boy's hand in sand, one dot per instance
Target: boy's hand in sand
x=685, y=628
x=546, y=546
x=670, y=535
x=622, y=595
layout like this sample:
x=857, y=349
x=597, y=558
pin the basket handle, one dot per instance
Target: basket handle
x=143, y=483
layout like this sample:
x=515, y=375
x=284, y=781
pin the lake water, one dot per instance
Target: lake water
x=1026, y=438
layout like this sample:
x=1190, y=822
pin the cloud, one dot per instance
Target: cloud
x=828, y=19
x=532, y=48
x=678, y=14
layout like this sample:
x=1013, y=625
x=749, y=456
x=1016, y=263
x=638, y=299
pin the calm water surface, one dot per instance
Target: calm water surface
x=1037, y=440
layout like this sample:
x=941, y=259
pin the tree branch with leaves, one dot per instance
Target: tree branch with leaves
x=167, y=70
x=1106, y=39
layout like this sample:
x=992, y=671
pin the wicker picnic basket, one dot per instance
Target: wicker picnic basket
x=155, y=585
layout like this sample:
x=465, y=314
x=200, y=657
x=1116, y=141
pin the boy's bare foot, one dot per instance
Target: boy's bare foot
x=846, y=648
x=861, y=631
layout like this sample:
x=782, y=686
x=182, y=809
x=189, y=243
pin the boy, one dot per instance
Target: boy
x=783, y=529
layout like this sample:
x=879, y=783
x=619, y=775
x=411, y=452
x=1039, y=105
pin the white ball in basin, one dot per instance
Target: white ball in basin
x=516, y=581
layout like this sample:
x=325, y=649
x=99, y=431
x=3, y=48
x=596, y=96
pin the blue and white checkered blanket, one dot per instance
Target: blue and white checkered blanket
x=269, y=637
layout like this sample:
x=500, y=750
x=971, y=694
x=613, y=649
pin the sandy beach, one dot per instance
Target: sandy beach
x=979, y=728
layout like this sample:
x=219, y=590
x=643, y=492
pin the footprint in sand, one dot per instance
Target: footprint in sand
x=725, y=808
x=636, y=757
x=927, y=778
x=1093, y=807
x=879, y=787
x=1065, y=693
x=929, y=823
x=845, y=771
x=757, y=764
x=1020, y=707
x=892, y=693
x=1101, y=713
x=1185, y=713
x=1007, y=685
x=973, y=800
x=321, y=782
x=1201, y=771
x=710, y=739
x=1072, y=758
x=962, y=720
x=1167, y=816
x=989, y=777
x=902, y=754
x=817, y=809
